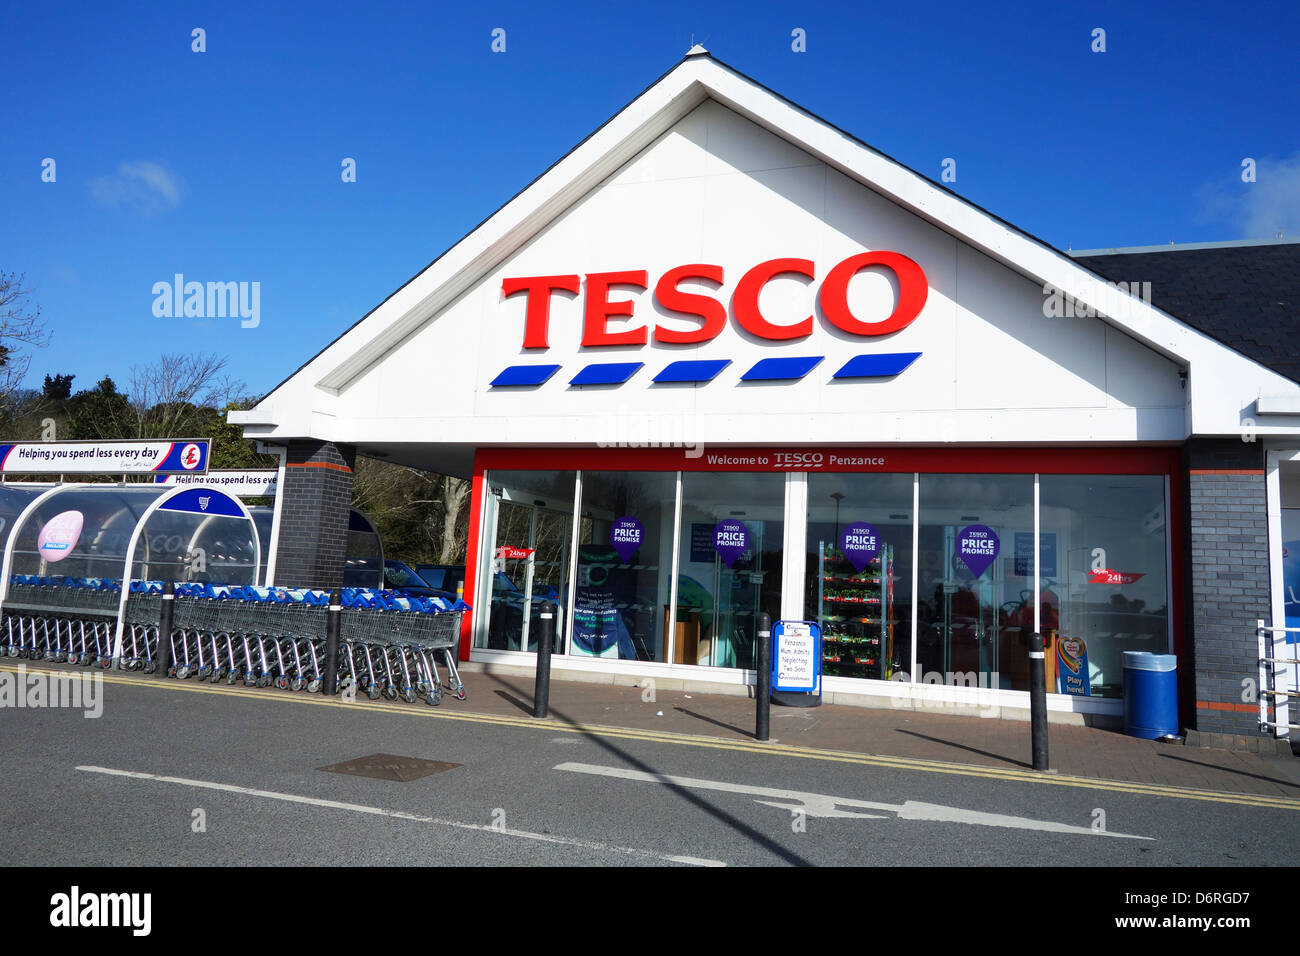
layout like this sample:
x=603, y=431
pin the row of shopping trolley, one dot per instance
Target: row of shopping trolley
x=380, y=654
x=63, y=640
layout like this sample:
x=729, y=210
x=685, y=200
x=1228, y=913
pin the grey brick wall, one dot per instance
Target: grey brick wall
x=314, y=516
x=1228, y=583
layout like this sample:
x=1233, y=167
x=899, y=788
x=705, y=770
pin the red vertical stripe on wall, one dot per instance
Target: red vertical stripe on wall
x=471, y=558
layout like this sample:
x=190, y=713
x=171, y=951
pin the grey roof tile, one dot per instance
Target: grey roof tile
x=1247, y=297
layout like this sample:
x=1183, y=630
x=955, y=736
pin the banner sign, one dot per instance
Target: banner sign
x=860, y=542
x=1072, y=667
x=605, y=591
x=260, y=483
x=514, y=554
x=730, y=540
x=796, y=656
x=105, y=457
x=626, y=535
x=977, y=546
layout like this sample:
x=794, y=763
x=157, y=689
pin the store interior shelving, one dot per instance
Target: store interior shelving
x=856, y=612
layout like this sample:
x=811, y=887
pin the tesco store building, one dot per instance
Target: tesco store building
x=724, y=359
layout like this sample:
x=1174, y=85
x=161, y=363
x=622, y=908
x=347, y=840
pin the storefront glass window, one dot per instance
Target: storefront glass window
x=625, y=561
x=732, y=535
x=1102, y=548
x=531, y=517
x=971, y=624
x=858, y=583
x=1103, y=577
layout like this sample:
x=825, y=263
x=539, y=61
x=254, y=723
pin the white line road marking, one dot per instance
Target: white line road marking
x=814, y=804
x=401, y=815
x=912, y=810
x=825, y=805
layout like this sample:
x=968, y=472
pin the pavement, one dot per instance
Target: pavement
x=990, y=744
x=1088, y=752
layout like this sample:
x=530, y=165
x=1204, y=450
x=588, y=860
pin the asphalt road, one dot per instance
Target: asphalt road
x=175, y=778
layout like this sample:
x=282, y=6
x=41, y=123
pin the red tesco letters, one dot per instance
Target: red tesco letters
x=537, y=320
x=708, y=310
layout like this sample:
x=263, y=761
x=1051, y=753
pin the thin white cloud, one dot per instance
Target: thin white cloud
x=1272, y=203
x=1262, y=209
x=142, y=185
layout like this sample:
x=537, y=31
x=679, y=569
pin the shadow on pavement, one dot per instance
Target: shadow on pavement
x=519, y=702
x=974, y=750
x=716, y=723
x=739, y=826
x=1243, y=773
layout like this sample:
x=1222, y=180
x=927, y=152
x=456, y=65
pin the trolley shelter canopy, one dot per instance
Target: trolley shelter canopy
x=121, y=533
x=718, y=265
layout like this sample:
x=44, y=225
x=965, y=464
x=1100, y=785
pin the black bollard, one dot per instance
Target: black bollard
x=545, y=640
x=333, y=622
x=763, y=692
x=165, y=628
x=1038, y=700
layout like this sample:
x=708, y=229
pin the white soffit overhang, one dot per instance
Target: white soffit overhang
x=676, y=94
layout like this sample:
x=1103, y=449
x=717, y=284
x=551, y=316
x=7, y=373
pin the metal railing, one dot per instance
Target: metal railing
x=1275, y=671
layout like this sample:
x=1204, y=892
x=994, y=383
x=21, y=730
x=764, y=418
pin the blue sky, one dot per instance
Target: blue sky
x=225, y=165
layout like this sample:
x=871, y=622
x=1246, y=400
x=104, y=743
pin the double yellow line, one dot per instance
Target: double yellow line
x=690, y=740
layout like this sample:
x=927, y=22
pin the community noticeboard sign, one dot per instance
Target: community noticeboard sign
x=186, y=456
x=796, y=656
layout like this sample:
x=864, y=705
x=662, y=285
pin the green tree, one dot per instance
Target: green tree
x=101, y=412
x=58, y=388
x=230, y=449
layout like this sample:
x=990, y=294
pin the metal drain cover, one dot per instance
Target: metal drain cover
x=390, y=767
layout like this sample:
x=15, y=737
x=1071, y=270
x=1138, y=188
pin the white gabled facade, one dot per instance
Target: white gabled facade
x=708, y=167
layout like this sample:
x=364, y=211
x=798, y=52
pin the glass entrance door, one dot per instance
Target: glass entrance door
x=732, y=540
x=532, y=528
x=972, y=588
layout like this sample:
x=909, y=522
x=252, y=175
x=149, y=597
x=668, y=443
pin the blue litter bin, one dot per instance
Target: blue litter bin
x=1150, y=695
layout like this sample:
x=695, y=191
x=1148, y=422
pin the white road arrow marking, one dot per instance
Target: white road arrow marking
x=825, y=805
x=402, y=815
x=913, y=810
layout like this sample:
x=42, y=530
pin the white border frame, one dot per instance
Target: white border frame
x=670, y=625
x=1273, y=459
x=273, y=551
x=795, y=541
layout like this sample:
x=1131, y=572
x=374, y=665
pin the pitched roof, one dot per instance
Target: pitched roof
x=1245, y=295
x=289, y=410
